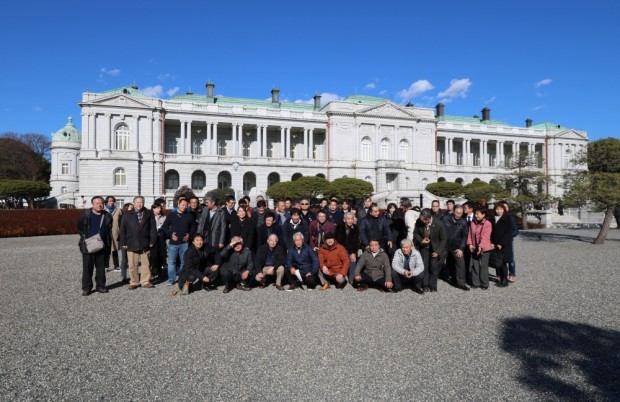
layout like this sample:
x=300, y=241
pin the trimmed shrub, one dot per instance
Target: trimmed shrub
x=445, y=189
x=38, y=222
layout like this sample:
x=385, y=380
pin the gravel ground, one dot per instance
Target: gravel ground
x=553, y=335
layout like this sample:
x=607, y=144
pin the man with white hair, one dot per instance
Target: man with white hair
x=302, y=262
x=269, y=262
x=238, y=266
x=407, y=267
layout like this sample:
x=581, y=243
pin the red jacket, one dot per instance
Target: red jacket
x=335, y=258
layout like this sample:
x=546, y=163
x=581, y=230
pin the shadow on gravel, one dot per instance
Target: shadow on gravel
x=558, y=237
x=572, y=361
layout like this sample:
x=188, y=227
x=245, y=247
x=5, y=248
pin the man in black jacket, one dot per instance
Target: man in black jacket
x=456, y=243
x=269, y=261
x=295, y=224
x=138, y=233
x=237, y=265
x=92, y=222
x=201, y=262
x=430, y=238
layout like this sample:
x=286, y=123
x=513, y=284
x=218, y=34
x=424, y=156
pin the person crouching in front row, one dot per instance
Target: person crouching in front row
x=201, y=263
x=269, y=262
x=408, y=267
x=301, y=262
x=238, y=266
x=373, y=269
x=334, y=263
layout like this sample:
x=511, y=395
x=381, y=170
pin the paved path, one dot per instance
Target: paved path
x=554, y=335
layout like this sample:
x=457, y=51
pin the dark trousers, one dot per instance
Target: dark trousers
x=431, y=268
x=400, y=281
x=114, y=259
x=96, y=261
x=457, y=268
x=232, y=279
x=192, y=274
x=309, y=281
x=367, y=279
x=156, y=259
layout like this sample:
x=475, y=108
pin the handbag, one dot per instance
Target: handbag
x=95, y=243
x=496, y=259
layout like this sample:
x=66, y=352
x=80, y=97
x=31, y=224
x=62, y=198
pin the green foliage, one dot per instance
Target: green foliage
x=478, y=190
x=24, y=189
x=221, y=193
x=183, y=191
x=307, y=186
x=604, y=156
x=445, y=189
x=349, y=188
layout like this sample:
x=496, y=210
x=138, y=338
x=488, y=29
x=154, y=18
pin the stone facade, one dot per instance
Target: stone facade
x=133, y=144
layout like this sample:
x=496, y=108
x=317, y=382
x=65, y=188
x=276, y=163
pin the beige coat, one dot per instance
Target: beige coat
x=115, y=228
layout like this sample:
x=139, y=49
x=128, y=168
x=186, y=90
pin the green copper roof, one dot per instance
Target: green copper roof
x=548, y=126
x=130, y=90
x=67, y=133
x=228, y=101
x=470, y=120
x=365, y=100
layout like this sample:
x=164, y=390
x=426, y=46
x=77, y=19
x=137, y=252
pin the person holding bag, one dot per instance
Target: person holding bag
x=479, y=243
x=95, y=230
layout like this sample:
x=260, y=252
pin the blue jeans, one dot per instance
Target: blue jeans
x=174, y=251
x=512, y=266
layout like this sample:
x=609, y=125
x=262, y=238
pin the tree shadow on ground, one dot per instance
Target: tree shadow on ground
x=563, y=360
x=558, y=237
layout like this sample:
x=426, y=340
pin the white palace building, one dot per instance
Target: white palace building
x=133, y=144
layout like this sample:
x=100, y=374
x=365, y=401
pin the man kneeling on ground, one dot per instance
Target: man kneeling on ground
x=373, y=269
x=408, y=267
x=201, y=262
x=237, y=267
x=269, y=262
x=302, y=262
x=334, y=262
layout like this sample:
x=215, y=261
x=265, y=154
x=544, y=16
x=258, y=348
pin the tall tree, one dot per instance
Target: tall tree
x=19, y=162
x=599, y=184
x=525, y=181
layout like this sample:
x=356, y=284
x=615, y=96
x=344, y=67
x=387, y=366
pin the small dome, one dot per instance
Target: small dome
x=67, y=133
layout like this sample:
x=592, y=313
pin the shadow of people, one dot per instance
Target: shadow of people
x=540, y=235
x=564, y=360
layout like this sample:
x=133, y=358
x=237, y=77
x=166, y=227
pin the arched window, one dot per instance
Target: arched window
x=365, y=149
x=441, y=180
x=321, y=175
x=121, y=135
x=459, y=181
x=568, y=156
x=198, y=180
x=368, y=179
x=224, y=180
x=403, y=151
x=120, y=177
x=386, y=148
x=172, y=180
x=249, y=183
x=272, y=179
x=296, y=176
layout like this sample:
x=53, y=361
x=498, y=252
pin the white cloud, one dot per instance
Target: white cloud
x=164, y=77
x=115, y=72
x=301, y=101
x=370, y=85
x=490, y=100
x=542, y=83
x=38, y=109
x=172, y=91
x=154, y=91
x=458, y=89
x=326, y=97
x=538, y=107
x=415, y=89
x=384, y=92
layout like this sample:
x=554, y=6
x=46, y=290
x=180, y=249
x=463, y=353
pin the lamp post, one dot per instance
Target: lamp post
x=235, y=166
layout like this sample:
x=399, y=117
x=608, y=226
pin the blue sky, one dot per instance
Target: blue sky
x=554, y=61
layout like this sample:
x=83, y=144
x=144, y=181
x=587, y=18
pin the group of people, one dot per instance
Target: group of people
x=203, y=246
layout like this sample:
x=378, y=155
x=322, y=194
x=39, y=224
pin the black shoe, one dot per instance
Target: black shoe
x=226, y=290
x=464, y=287
x=426, y=289
x=433, y=290
x=484, y=288
x=418, y=291
x=503, y=283
x=86, y=292
x=103, y=290
x=243, y=287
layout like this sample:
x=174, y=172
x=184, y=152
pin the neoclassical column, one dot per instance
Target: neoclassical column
x=189, y=147
x=264, y=135
x=214, y=142
x=206, y=149
x=283, y=148
x=157, y=145
x=182, y=141
x=311, y=144
x=466, y=151
x=92, y=130
x=136, y=126
x=448, y=150
x=108, y=129
x=485, y=153
x=500, y=152
x=305, y=144
x=234, y=139
x=150, y=138
x=240, y=136
x=85, y=130
x=288, y=142
x=259, y=140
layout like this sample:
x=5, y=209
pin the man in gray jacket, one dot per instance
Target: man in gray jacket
x=408, y=267
x=237, y=267
x=212, y=223
x=373, y=268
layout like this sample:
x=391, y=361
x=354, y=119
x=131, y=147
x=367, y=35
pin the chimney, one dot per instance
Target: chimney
x=275, y=95
x=409, y=104
x=486, y=114
x=317, y=101
x=528, y=122
x=210, y=86
x=439, y=109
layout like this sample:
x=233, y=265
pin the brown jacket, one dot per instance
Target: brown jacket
x=335, y=258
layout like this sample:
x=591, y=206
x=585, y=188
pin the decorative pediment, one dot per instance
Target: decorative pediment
x=388, y=110
x=121, y=101
x=570, y=135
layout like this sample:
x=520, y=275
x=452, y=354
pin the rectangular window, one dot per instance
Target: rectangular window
x=171, y=146
x=64, y=169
